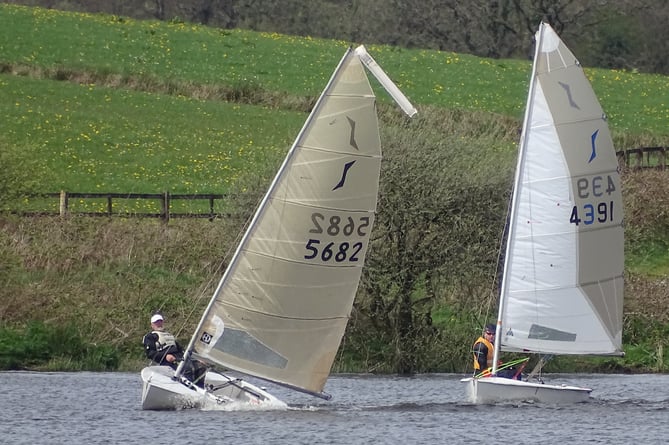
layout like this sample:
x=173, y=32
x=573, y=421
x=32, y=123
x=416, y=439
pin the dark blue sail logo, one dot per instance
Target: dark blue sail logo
x=341, y=182
x=593, y=142
x=348, y=165
x=573, y=104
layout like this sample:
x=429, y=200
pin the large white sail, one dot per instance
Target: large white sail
x=563, y=283
x=282, y=307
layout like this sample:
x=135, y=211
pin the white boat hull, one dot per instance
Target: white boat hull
x=499, y=389
x=160, y=391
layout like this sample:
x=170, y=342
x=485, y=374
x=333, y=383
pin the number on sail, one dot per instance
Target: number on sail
x=593, y=186
x=602, y=213
x=333, y=251
x=335, y=222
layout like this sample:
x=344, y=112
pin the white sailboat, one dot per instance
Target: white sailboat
x=562, y=286
x=281, y=308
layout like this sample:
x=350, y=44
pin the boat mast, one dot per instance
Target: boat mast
x=259, y=212
x=514, y=200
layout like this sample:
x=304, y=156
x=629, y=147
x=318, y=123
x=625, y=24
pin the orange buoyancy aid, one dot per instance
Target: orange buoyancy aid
x=491, y=352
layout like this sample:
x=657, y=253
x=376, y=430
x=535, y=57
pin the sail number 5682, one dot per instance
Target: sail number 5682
x=334, y=226
x=337, y=226
x=333, y=251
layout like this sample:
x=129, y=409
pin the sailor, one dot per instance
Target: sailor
x=484, y=351
x=163, y=348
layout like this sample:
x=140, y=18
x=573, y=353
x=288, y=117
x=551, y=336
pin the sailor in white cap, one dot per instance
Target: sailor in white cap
x=163, y=348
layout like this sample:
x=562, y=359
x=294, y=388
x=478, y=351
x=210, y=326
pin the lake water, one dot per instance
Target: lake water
x=104, y=408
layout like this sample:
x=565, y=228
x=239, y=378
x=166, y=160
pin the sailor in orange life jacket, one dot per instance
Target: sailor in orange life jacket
x=483, y=355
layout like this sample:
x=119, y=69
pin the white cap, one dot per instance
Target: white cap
x=156, y=317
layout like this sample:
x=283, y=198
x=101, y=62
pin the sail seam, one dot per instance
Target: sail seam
x=284, y=317
x=552, y=288
x=347, y=153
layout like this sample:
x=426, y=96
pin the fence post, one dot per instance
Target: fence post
x=639, y=158
x=165, y=210
x=109, y=206
x=62, y=208
x=622, y=158
x=663, y=158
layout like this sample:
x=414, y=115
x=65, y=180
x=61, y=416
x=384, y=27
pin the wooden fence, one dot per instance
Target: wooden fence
x=635, y=158
x=644, y=157
x=165, y=200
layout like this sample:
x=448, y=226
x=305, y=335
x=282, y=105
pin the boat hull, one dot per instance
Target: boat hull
x=160, y=391
x=499, y=389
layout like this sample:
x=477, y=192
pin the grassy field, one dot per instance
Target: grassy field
x=99, y=103
x=92, y=136
x=96, y=139
x=49, y=39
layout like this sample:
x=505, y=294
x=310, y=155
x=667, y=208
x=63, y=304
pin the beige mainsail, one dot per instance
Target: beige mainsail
x=280, y=310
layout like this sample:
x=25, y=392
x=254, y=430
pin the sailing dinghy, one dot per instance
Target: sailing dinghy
x=280, y=310
x=562, y=286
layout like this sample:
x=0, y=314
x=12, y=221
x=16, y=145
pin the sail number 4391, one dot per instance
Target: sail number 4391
x=589, y=212
x=335, y=225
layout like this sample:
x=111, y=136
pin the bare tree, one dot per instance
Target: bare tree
x=434, y=217
x=498, y=28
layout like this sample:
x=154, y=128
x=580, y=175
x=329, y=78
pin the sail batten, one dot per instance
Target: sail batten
x=283, y=317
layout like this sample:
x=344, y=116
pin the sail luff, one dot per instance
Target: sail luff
x=514, y=200
x=256, y=216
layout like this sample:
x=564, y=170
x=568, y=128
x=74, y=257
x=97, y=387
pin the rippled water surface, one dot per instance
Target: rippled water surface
x=104, y=408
